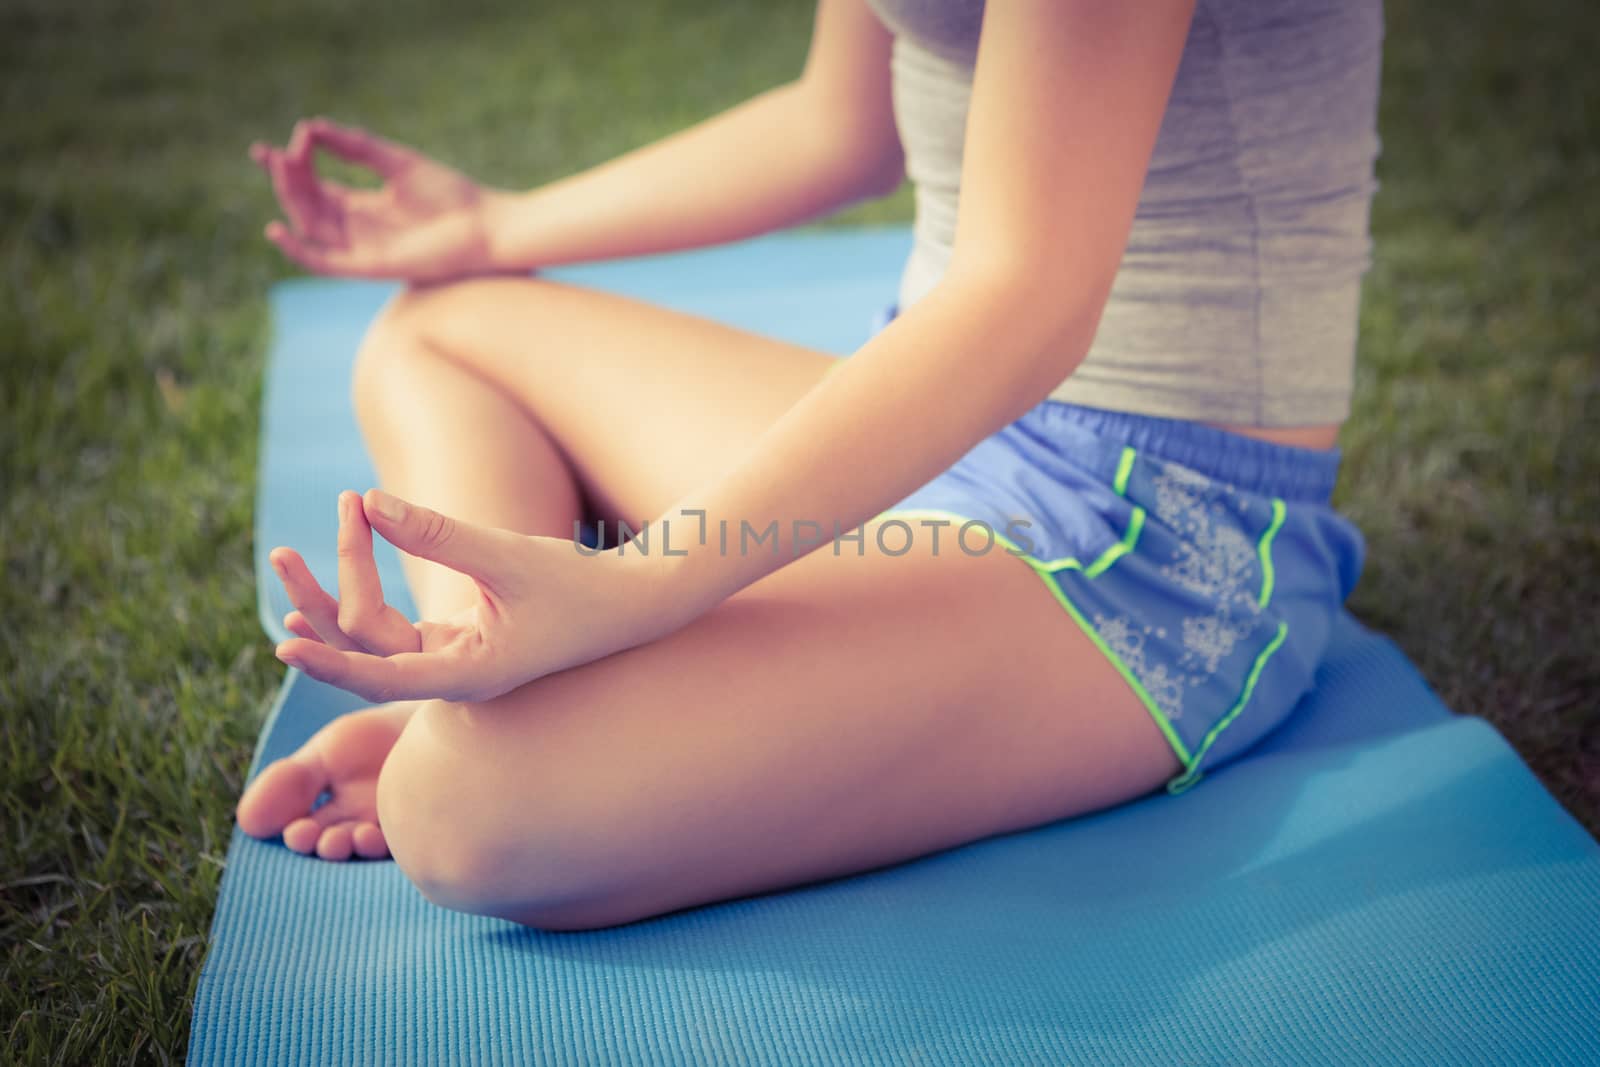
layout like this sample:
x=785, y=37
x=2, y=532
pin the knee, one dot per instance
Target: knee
x=477, y=836
x=402, y=333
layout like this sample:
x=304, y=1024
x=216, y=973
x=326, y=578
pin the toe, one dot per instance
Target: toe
x=335, y=843
x=302, y=834
x=369, y=841
x=279, y=795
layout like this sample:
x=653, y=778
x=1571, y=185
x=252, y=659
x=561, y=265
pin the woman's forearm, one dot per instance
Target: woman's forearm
x=777, y=159
x=957, y=366
x=1067, y=101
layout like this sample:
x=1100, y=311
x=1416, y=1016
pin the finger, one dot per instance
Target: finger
x=319, y=258
x=335, y=843
x=480, y=552
x=296, y=624
x=291, y=197
x=315, y=205
x=299, y=149
x=318, y=609
x=321, y=203
x=382, y=679
x=369, y=841
x=362, y=611
x=358, y=146
x=333, y=202
x=298, y=193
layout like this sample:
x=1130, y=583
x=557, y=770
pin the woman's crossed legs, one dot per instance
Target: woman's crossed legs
x=847, y=712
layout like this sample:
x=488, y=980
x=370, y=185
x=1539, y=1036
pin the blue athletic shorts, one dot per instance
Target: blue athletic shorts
x=1206, y=565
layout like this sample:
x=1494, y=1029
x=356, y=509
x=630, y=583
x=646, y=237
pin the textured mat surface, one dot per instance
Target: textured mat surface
x=1380, y=883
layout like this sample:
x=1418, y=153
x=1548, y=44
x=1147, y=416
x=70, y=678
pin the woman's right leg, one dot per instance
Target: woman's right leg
x=510, y=403
x=444, y=436
x=514, y=402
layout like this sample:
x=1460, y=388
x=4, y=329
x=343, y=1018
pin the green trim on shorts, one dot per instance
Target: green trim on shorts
x=1193, y=773
x=1150, y=705
x=1101, y=563
x=1124, y=469
x=1046, y=570
x=1264, y=550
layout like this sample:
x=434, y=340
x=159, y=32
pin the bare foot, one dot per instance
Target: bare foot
x=343, y=758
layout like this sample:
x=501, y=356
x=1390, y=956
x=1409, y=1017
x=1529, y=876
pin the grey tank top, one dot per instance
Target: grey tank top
x=1237, y=297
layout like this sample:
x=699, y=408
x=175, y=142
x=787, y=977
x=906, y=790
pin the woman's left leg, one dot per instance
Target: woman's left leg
x=845, y=713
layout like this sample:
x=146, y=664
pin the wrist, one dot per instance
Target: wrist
x=677, y=575
x=502, y=218
x=648, y=598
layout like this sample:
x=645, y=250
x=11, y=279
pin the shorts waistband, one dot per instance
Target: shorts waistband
x=1248, y=463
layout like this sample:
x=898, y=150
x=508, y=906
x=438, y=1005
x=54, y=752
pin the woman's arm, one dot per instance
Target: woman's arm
x=792, y=153
x=1067, y=100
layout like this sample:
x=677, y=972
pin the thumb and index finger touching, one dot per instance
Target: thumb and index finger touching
x=479, y=552
x=354, y=145
x=314, y=238
x=350, y=143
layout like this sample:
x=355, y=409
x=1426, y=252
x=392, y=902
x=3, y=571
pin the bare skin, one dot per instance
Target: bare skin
x=597, y=741
x=841, y=714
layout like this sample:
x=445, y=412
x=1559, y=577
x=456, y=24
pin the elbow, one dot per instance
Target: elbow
x=857, y=146
x=1040, y=323
x=1046, y=308
x=881, y=175
x=1060, y=345
x=863, y=165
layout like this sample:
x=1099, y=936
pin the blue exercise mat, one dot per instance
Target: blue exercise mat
x=1379, y=883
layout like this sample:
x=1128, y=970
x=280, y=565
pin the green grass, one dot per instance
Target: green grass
x=133, y=676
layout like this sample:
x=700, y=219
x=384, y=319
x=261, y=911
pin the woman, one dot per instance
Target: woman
x=1125, y=358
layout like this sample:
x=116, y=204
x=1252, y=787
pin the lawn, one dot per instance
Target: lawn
x=133, y=676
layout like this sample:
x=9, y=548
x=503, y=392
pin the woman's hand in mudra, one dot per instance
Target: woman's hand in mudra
x=542, y=606
x=426, y=223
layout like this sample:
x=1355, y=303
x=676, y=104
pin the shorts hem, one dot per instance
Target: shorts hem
x=1051, y=572
x=1193, y=773
x=1046, y=571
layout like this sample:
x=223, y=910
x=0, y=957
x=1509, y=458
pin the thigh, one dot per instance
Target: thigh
x=842, y=714
x=647, y=404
